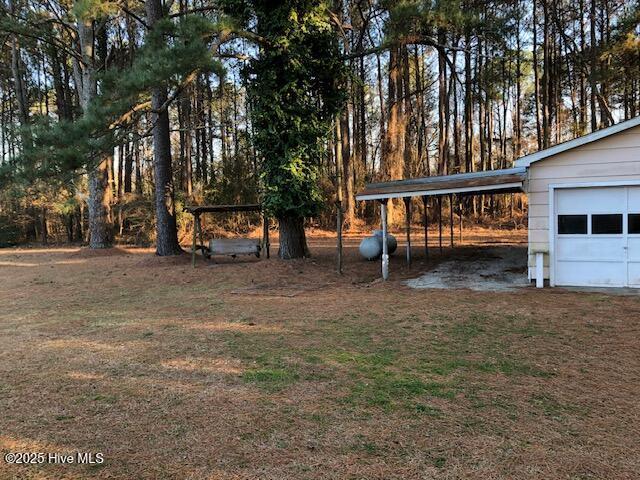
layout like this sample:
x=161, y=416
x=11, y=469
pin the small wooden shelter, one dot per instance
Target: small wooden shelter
x=232, y=246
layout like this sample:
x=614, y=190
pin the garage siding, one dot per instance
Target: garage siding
x=614, y=158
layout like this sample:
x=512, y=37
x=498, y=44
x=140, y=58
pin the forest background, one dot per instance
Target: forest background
x=116, y=114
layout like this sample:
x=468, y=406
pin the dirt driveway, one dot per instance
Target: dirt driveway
x=278, y=370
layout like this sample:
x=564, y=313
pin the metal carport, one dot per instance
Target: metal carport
x=494, y=181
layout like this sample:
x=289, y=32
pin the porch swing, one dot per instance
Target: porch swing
x=227, y=246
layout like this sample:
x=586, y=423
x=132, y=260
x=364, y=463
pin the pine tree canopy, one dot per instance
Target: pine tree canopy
x=172, y=51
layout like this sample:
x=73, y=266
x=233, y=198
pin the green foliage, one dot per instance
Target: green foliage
x=67, y=206
x=10, y=231
x=59, y=150
x=295, y=94
x=415, y=18
x=22, y=204
x=139, y=227
x=173, y=50
x=235, y=181
x=94, y=9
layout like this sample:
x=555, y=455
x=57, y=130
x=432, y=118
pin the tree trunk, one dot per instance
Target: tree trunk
x=80, y=222
x=361, y=166
x=442, y=99
x=204, y=141
x=347, y=169
x=457, y=163
x=582, y=114
x=393, y=144
x=468, y=106
x=518, y=105
x=381, y=97
x=20, y=90
x=422, y=154
x=45, y=228
x=128, y=166
x=99, y=202
x=166, y=230
x=120, y=173
x=594, y=62
x=536, y=75
x=69, y=226
x=63, y=107
x=409, y=137
x=293, y=242
x=547, y=96
x=186, y=142
x=138, y=169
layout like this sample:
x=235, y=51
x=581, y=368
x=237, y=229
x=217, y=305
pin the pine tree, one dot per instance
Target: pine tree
x=166, y=231
x=99, y=202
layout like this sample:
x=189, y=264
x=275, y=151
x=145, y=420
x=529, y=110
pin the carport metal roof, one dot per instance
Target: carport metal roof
x=494, y=181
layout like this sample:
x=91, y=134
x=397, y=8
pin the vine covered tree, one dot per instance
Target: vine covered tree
x=295, y=94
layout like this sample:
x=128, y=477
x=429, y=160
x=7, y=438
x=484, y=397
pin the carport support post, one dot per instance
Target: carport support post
x=205, y=253
x=407, y=205
x=385, y=249
x=460, y=215
x=451, y=217
x=440, y=223
x=425, y=219
x=196, y=224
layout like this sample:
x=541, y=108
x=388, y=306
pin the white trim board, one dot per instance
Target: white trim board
x=577, y=142
x=610, y=183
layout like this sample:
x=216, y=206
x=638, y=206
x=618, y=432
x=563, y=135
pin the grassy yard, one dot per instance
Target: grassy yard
x=276, y=370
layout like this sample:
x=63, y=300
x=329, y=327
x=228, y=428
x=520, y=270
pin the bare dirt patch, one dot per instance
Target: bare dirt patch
x=499, y=269
x=171, y=375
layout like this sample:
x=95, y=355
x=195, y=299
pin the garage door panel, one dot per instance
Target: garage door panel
x=590, y=249
x=592, y=200
x=634, y=199
x=634, y=274
x=634, y=249
x=606, y=254
x=597, y=274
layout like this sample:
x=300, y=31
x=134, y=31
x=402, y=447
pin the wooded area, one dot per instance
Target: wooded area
x=116, y=114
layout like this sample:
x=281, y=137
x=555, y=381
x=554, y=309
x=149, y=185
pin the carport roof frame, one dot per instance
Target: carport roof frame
x=494, y=181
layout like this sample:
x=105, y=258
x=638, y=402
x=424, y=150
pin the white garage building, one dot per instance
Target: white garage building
x=584, y=206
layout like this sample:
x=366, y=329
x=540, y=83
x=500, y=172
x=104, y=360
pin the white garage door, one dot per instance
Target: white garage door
x=597, y=236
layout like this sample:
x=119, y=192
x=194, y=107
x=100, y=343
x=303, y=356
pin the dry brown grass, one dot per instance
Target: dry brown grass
x=192, y=374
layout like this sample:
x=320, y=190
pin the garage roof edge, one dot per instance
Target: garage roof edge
x=577, y=142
